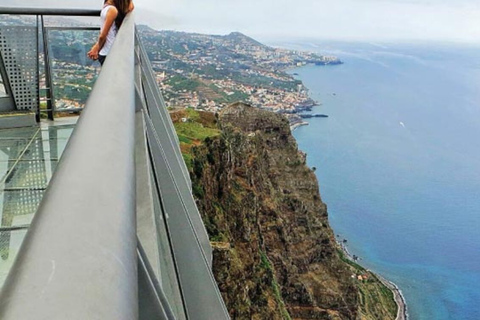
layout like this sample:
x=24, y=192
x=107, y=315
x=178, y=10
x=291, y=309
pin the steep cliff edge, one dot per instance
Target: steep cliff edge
x=275, y=255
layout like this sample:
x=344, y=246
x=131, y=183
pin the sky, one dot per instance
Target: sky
x=368, y=20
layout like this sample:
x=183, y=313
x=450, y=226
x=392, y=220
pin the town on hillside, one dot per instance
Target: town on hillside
x=209, y=72
x=206, y=72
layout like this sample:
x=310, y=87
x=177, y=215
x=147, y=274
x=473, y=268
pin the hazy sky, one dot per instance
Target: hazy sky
x=450, y=20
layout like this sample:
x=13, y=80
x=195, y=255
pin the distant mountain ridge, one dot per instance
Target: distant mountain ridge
x=235, y=36
x=241, y=38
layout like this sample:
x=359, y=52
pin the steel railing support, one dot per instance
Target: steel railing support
x=50, y=12
x=48, y=73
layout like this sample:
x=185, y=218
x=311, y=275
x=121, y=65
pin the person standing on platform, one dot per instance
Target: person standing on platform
x=111, y=17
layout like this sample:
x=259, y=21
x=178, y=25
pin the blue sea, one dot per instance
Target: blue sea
x=398, y=161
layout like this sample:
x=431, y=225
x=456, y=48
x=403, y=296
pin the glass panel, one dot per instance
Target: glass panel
x=11, y=149
x=29, y=174
x=10, y=242
x=18, y=133
x=17, y=20
x=28, y=157
x=63, y=132
x=73, y=73
x=77, y=22
x=58, y=137
x=18, y=207
x=168, y=275
x=60, y=145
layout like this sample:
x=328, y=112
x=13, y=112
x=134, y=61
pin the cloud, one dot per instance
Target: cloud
x=451, y=20
x=341, y=19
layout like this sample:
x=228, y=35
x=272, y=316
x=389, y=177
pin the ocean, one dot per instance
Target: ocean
x=398, y=162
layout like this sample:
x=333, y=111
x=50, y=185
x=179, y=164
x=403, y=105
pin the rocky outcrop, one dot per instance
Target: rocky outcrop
x=275, y=255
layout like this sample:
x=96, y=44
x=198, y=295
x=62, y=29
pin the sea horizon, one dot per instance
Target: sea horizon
x=398, y=165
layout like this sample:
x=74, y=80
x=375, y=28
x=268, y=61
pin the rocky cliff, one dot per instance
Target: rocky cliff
x=275, y=255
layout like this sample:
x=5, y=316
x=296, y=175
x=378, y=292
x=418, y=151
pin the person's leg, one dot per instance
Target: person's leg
x=101, y=59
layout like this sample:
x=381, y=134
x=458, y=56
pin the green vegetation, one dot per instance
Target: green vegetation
x=374, y=295
x=212, y=222
x=180, y=83
x=265, y=264
x=211, y=71
x=73, y=91
x=355, y=265
x=197, y=127
x=194, y=131
x=43, y=113
x=235, y=97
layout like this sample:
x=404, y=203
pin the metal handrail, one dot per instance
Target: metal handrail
x=50, y=12
x=79, y=258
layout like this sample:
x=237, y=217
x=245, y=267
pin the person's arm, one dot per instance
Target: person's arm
x=131, y=7
x=109, y=21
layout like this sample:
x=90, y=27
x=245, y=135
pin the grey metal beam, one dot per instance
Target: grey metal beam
x=151, y=227
x=153, y=303
x=50, y=12
x=73, y=28
x=79, y=258
x=146, y=229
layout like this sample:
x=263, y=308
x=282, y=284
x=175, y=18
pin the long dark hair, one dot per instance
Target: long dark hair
x=122, y=7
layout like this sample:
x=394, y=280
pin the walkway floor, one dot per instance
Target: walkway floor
x=28, y=157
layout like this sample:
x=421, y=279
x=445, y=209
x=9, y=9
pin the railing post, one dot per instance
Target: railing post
x=37, y=40
x=48, y=74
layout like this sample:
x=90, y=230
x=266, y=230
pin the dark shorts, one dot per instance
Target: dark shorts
x=101, y=59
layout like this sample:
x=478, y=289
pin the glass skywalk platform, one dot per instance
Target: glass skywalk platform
x=28, y=158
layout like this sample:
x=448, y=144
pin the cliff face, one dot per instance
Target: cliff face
x=275, y=255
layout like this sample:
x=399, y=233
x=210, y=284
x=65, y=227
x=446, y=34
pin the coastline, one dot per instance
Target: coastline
x=402, y=311
x=295, y=126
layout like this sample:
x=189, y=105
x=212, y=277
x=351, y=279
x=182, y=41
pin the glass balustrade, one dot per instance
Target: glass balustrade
x=73, y=73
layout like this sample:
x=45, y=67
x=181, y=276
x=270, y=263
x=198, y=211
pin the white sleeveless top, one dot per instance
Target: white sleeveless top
x=111, y=33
